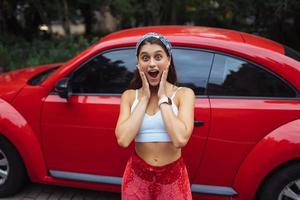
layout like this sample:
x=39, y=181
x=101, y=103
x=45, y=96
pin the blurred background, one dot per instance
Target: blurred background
x=34, y=32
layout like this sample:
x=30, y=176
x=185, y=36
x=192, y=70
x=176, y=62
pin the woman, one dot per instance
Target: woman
x=159, y=116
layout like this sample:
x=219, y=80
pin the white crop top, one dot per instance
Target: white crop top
x=152, y=128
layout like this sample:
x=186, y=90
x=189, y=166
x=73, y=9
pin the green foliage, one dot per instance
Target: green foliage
x=17, y=52
x=278, y=20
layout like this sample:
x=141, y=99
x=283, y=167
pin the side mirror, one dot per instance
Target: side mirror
x=62, y=88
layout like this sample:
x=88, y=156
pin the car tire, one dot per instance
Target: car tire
x=282, y=184
x=12, y=171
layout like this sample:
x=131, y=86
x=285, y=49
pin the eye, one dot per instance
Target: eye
x=158, y=57
x=145, y=58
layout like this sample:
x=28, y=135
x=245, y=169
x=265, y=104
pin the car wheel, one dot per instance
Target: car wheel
x=12, y=170
x=283, y=185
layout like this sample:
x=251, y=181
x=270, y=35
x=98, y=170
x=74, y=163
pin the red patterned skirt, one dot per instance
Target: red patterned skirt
x=142, y=181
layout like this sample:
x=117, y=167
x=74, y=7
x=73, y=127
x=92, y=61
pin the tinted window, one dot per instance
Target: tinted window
x=192, y=67
x=38, y=79
x=109, y=72
x=112, y=71
x=234, y=77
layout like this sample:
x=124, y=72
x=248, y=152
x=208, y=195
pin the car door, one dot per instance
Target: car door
x=78, y=134
x=193, y=67
x=247, y=102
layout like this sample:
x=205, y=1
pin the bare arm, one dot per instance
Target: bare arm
x=129, y=123
x=180, y=127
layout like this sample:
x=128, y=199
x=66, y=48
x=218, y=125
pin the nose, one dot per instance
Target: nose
x=152, y=62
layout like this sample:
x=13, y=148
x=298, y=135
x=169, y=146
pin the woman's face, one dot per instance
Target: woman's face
x=153, y=60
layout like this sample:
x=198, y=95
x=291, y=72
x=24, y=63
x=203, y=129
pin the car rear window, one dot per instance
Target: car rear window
x=292, y=53
x=231, y=76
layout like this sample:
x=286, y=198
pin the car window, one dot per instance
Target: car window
x=109, y=72
x=192, y=67
x=112, y=71
x=38, y=79
x=234, y=77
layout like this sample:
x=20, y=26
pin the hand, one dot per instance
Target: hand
x=163, y=84
x=145, y=92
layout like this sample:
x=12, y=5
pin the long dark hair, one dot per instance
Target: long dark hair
x=136, y=81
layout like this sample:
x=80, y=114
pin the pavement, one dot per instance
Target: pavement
x=49, y=192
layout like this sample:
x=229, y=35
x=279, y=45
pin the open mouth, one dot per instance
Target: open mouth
x=153, y=74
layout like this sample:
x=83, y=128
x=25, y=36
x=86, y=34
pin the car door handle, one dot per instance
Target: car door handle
x=198, y=123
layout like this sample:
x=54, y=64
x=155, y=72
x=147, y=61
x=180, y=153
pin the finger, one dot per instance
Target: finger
x=142, y=75
x=165, y=74
x=139, y=69
x=144, y=79
x=162, y=80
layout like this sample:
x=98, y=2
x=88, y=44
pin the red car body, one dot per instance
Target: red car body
x=241, y=143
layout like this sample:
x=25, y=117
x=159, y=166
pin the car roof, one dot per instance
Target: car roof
x=250, y=47
x=198, y=34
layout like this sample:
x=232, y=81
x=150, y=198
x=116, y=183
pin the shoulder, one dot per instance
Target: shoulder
x=185, y=95
x=185, y=92
x=128, y=95
x=128, y=92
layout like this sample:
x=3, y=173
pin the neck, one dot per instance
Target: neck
x=153, y=90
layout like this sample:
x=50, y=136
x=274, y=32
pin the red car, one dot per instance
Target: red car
x=57, y=121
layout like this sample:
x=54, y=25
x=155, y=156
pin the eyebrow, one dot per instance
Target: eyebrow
x=158, y=51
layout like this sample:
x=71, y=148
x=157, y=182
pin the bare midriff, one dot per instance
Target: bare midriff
x=157, y=153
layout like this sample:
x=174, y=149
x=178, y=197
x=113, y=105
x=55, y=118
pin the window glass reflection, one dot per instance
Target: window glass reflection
x=192, y=68
x=234, y=77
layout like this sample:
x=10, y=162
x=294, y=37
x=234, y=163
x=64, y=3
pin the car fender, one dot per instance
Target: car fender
x=278, y=147
x=16, y=129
